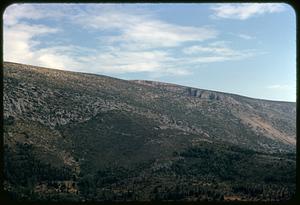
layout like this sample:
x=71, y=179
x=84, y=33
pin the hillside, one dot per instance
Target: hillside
x=77, y=136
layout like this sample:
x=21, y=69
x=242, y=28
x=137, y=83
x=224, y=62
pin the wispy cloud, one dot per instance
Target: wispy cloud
x=18, y=13
x=281, y=87
x=245, y=36
x=244, y=11
x=19, y=43
x=128, y=61
x=128, y=42
x=143, y=31
x=217, y=52
x=14, y=13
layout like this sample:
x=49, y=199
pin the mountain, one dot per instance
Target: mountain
x=80, y=137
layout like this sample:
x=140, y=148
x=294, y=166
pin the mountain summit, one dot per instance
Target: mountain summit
x=77, y=137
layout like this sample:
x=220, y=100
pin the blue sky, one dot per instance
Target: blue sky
x=246, y=49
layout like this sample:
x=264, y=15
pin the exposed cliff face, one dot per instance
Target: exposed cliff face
x=77, y=125
x=275, y=120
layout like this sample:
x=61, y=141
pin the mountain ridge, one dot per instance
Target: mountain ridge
x=148, y=82
x=91, y=137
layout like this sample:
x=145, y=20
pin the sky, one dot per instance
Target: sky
x=243, y=48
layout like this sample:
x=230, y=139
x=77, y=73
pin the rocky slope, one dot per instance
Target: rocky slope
x=91, y=137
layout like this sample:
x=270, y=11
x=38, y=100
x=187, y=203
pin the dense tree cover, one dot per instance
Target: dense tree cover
x=23, y=170
x=22, y=167
x=206, y=171
x=200, y=173
x=73, y=136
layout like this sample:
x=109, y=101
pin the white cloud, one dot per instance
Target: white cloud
x=20, y=37
x=143, y=31
x=245, y=36
x=216, y=52
x=20, y=40
x=19, y=43
x=137, y=34
x=128, y=61
x=19, y=47
x=244, y=11
x=16, y=13
x=281, y=87
x=209, y=49
x=140, y=42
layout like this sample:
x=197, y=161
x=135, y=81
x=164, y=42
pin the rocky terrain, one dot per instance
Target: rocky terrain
x=80, y=137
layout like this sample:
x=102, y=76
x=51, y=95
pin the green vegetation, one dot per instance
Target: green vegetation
x=81, y=137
